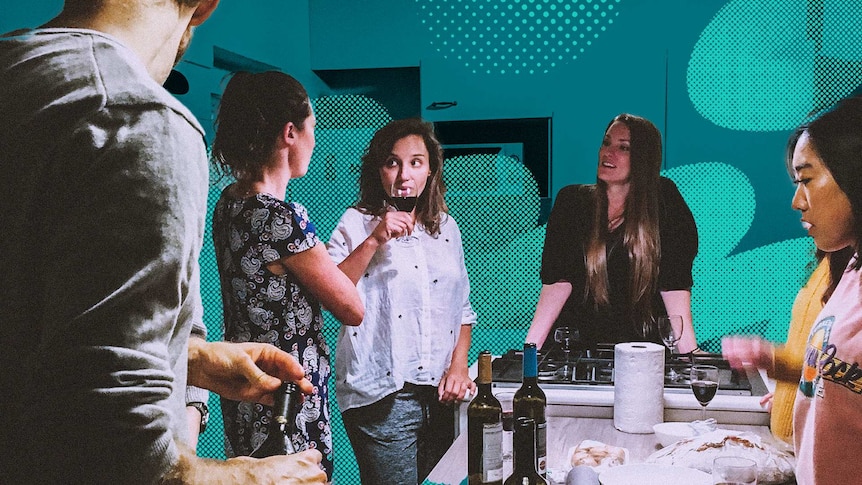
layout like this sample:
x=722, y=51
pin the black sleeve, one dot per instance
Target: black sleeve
x=563, y=252
x=678, y=234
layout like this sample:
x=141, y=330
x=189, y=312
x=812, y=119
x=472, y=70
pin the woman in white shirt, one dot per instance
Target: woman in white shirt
x=399, y=372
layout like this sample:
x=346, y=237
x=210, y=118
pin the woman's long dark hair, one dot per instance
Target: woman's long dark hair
x=836, y=138
x=372, y=197
x=641, y=230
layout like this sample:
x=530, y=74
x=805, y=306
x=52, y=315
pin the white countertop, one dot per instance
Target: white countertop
x=564, y=433
x=679, y=404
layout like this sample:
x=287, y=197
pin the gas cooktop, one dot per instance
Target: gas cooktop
x=595, y=367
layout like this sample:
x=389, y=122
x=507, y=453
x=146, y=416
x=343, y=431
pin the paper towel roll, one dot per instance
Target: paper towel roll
x=638, y=386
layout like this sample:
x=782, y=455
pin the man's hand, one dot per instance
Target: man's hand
x=243, y=371
x=298, y=469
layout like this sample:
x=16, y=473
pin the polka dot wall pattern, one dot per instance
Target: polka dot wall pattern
x=516, y=36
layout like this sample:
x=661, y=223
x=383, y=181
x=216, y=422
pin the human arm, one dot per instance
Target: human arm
x=113, y=325
x=196, y=396
x=318, y=274
x=551, y=300
x=246, y=371
x=679, y=243
x=786, y=363
x=740, y=351
x=456, y=381
x=193, y=419
x=392, y=224
x=301, y=468
x=562, y=261
x=678, y=302
x=766, y=401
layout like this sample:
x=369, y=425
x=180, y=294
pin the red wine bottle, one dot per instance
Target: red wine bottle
x=530, y=402
x=524, y=472
x=288, y=401
x=485, y=431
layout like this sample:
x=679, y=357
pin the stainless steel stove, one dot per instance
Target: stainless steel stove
x=588, y=369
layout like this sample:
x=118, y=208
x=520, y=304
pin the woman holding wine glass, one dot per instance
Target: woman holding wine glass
x=618, y=253
x=401, y=370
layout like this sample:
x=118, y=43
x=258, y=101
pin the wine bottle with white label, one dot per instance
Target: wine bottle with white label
x=485, y=431
x=530, y=402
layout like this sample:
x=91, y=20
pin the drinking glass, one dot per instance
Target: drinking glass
x=704, y=384
x=734, y=470
x=404, y=200
x=670, y=328
x=565, y=336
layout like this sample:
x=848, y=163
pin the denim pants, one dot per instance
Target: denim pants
x=400, y=438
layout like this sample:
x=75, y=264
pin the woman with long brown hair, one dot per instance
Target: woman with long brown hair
x=274, y=271
x=401, y=370
x=618, y=253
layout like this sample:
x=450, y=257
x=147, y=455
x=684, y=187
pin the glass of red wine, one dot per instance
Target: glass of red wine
x=704, y=384
x=404, y=200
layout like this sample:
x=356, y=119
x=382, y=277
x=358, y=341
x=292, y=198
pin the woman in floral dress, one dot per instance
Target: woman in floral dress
x=275, y=273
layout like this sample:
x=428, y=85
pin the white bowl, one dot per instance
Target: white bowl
x=671, y=432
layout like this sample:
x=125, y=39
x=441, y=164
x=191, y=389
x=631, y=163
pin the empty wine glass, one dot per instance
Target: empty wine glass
x=565, y=336
x=670, y=329
x=704, y=385
x=404, y=200
x=734, y=469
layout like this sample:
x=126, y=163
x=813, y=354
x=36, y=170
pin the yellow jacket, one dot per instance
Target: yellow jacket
x=787, y=367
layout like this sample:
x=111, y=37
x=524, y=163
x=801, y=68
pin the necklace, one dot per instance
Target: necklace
x=615, y=221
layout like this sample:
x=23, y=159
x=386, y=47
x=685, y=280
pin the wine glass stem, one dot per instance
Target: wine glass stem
x=703, y=413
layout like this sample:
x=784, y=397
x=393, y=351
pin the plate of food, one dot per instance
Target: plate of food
x=653, y=474
x=774, y=465
x=597, y=455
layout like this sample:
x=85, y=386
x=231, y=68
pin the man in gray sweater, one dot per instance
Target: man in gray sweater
x=104, y=178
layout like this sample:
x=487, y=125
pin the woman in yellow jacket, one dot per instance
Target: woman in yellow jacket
x=784, y=362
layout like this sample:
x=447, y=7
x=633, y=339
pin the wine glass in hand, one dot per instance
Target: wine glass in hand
x=565, y=336
x=670, y=328
x=404, y=200
x=704, y=384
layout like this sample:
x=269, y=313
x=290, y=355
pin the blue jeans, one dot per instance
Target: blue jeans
x=400, y=438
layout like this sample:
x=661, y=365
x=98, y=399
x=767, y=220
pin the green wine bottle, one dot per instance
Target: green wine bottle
x=485, y=431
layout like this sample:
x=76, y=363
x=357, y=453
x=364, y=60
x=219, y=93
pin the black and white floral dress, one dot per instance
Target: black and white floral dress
x=260, y=306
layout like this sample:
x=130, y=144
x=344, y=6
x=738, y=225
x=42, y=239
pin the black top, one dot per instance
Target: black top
x=563, y=259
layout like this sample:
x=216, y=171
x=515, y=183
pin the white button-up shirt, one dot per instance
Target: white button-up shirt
x=416, y=297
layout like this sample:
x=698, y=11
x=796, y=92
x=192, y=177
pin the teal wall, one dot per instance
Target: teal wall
x=725, y=80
